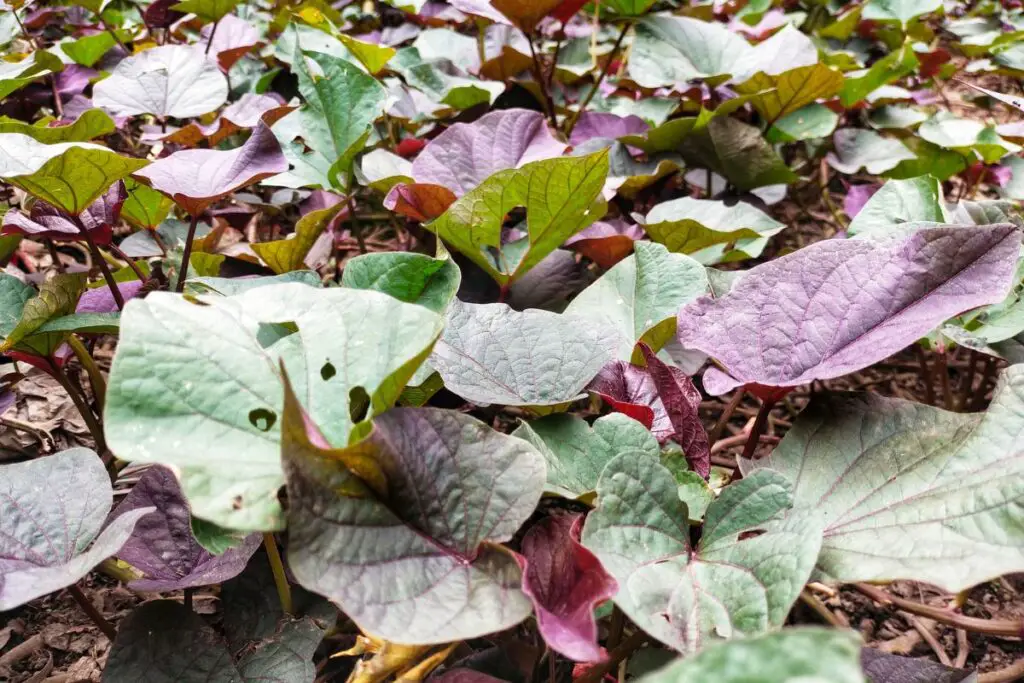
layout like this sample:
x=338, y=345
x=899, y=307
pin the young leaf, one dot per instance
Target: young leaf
x=639, y=298
x=144, y=207
x=284, y=256
x=796, y=655
x=779, y=95
x=490, y=353
x=247, y=112
x=69, y=175
x=467, y=154
x=195, y=178
x=566, y=582
x=169, y=80
x=705, y=228
x=781, y=325
x=51, y=512
x=561, y=196
x=412, y=278
x=422, y=564
x=723, y=588
x=226, y=445
x=910, y=471
x=576, y=453
x=57, y=297
x=47, y=221
x=606, y=242
x=162, y=546
x=738, y=152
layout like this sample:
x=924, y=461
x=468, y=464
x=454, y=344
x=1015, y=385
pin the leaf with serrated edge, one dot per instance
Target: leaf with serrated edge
x=724, y=588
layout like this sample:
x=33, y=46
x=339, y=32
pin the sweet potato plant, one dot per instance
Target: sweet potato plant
x=413, y=336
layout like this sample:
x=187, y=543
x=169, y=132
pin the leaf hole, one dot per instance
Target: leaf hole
x=236, y=503
x=262, y=419
x=358, y=404
x=753, y=533
x=327, y=371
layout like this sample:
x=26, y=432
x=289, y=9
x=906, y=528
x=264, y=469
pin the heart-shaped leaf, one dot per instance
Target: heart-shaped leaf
x=738, y=152
x=57, y=297
x=195, y=178
x=806, y=123
x=561, y=196
x=52, y=510
x=247, y=112
x=490, y=353
x=144, y=207
x=606, y=242
x=413, y=278
x=162, y=546
x=780, y=325
x=284, y=256
x=92, y=123
x=705, y=228
x=797, y=655
x=576, y=453
x=352, y=348
x=566, y=582
x=778, y=95
x=230, y=41
x=69, y=175
x=899, y=10
x=910, y=471
x=169, y=80
x=47, y=221
x=421, y=564
x=669, y=50
x=210, y=10
x=639, y=298
x=857, y=148
x=898, y=202
x=606, y=126
x=723, y=588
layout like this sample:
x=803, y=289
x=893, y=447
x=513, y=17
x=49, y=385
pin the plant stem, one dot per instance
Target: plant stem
x=538, y=74
x=822, y=610
x=55, y=255
x=1005, y=628
x=101, y=264
x=943, y=370
x=481, y=42
x=99, y=385
x=124, y=257
x=760, y=422
x=600, y=79
x=723, y=419
x=597, y=672
x=213, y=32
x=284, y=591
x=183, y=269
x=926, y=375
x=357, y=228
x=83, y=407
x=94, y=614
x=967, y=381
x=986, y=376
x=189, y=593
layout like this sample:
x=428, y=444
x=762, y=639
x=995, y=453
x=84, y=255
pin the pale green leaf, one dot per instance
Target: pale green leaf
x=93, y=123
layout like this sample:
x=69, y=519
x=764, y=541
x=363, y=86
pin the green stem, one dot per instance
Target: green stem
x=183, y=270
x=131, y=264
x=284, y=591
x=600, y=79
x=99, y=385
x=538, y=74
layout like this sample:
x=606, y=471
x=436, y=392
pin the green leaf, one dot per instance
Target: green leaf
x=668, y=50
x=931, y=160
x=70, y=175
x=898, y=202
x=888, y=69
x=230, y=286
x=57, y=297
x=284, y=256
x=14, y=294
x=341, y=106
x=16, y=75
x=93, y=123
x=964, y=135
x=561, y=196
x=639, y=297
x=775, y=96
x=627, y=8
x=691, y=226
x=373, y=57
x=209, y=10
x=412, y=278
x=909, y=491
x=857, y=148
x=899, y=10
x=1015, y=188
x=386, y=557
x=197, y=387
x=145, y=207
x=90, y=49
x=796, y=655
x=893, y=116
x=724, y=588
x=215, y=539
x=576, y=453
x=737, y=151
x=807, y=123
x=490, y=353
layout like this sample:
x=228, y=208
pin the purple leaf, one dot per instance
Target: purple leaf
x=465, y=676
x=232, y=38
x=246, y=113
x=162, y=546
x=195, y=178
x=51, y=512
x=7, y=400
x=100, y=300
x=661, y=397
x=468, y=153
x=47, y=221
x=566, y=582
x=607, y=126
x=881, y=667
x=856, y=197
x=160, y=15
x=838, y=306
x=606, y=242
x=73, y=80
x=421, y=202
x=480, y=8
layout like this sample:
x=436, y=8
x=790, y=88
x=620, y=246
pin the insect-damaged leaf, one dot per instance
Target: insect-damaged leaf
x=420, y=564
x=796, y=655
x=195, y=178
x=51, y=512
x=841, y=305
x=577, y=452
x=68, y=175
x=910, y=491
x=198, y=386
x=162, y=545
x=723, y=588
x=561, y=197
x=566, y=582
x=490, y=353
